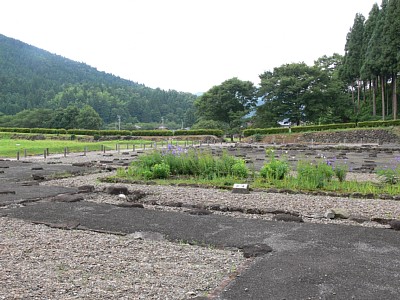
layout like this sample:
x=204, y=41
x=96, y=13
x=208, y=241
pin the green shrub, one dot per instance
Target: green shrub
x=146, y=174
x=147, y=161
x=161, y=171
x=258, y=137
x=275, y=169
x=239, y=169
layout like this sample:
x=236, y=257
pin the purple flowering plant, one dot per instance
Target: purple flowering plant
x=390, y=175
x=339, y=169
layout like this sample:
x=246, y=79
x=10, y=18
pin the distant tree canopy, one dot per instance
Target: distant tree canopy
x=31, y=78
x=355, y=87
x=67, y=118
x=226, y=103
x=299, y=93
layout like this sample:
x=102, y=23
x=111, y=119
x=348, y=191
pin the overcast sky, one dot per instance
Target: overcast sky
x=186, y=45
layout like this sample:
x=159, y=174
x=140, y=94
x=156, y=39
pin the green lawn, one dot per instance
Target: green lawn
x=10, y=147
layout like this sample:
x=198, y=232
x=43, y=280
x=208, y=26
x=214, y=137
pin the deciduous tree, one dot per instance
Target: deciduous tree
x=228, y=102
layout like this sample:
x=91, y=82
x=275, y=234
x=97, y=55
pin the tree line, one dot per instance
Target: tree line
x=335, y=89
x=372, y=60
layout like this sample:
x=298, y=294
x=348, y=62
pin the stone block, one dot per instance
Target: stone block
x=116, y=190
x=287, y=218
x=255, y=250
x=239, y=188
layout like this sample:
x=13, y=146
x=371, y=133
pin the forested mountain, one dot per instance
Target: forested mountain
x=34, y=81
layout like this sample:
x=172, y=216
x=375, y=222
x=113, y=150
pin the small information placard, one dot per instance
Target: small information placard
x=240, y=188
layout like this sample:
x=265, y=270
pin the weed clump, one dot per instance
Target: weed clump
x=275, y=169
x=177, y=161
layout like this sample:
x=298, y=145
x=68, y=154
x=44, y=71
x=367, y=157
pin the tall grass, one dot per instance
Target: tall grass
x=200, y=167
x=183, y=162
x=314, y=176
x=274, y=169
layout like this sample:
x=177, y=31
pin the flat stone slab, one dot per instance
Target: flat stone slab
x=68, y=198
x=20, y=179
x=17, y=171
x=308, y=261
x=26, y=193
x=255, y=250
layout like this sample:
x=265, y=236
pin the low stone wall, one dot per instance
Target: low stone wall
x=370, y=136
x=357, y=136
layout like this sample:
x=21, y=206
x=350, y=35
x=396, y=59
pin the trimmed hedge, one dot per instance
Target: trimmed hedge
x=250, y=132
x=216, y=132
x=323, y=127
x=48, y=131
x=16, y=130
x=152, y=133
x=33, y=130
x=378, y=123
x=274, y=130
x=83, y=132
x=114, y=132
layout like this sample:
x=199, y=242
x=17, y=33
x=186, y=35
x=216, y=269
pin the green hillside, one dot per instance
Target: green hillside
x=46, y=84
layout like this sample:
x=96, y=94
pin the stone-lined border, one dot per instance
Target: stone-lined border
x=136, y=199
x=267, y=190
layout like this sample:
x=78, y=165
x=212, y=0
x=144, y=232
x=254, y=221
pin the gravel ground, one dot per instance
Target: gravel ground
x=38, y=262
x=308, y=206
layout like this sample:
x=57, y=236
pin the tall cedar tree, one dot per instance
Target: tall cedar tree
x=391, y=51
x=374, y=53
x=367, y=70
x=353, y=58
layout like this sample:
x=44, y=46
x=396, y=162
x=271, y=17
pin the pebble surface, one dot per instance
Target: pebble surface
x=38, y=262
x=307, y=206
